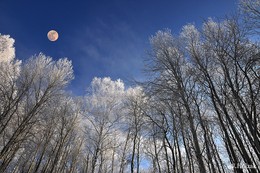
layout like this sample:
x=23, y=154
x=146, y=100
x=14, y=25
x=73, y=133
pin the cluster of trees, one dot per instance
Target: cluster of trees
x=207, y=86
x=45, y=129
x=198, y=112
x=38, y=119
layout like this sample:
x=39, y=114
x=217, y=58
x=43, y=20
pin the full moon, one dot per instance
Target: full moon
x=53, y=35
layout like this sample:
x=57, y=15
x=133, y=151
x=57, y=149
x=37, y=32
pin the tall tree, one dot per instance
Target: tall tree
x=251, y=12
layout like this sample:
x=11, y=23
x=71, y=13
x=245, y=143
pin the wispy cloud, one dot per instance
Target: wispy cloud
x=108, y=49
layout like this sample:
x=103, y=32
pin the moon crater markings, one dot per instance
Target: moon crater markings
x=53, y=35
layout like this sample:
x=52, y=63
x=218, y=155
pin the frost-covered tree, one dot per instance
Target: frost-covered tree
x=135, y=105
x=174, y=85
x=251, y=13
x=198, y=111
x=228, y=66
x=7, y=51
x=102, y=118
x=31, y=101
x=112, y=125
x=9, y=72
x=205, y=88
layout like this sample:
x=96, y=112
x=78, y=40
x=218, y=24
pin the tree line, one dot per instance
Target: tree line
x=198, y=111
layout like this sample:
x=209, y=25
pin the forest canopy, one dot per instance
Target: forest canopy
x=198, y=111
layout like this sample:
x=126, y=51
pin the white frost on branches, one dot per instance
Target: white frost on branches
x=7, y=51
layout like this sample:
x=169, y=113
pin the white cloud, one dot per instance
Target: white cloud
x=116, y=48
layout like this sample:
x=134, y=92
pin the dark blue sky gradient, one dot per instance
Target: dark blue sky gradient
x=101, y=37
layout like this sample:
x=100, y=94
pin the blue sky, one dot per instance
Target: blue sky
x=101, y=37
